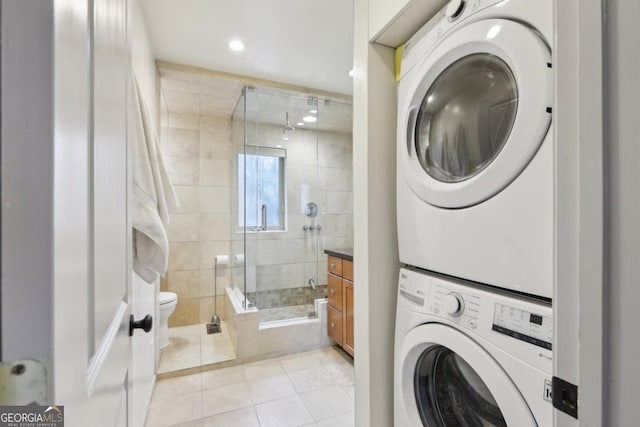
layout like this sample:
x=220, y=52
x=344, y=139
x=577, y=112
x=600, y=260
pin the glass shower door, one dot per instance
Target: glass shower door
x=278, y=203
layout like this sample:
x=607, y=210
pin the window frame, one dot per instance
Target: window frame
x=252, y=150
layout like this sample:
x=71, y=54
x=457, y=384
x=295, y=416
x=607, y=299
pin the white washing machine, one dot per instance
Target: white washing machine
x=465, y=356
x=475, y=145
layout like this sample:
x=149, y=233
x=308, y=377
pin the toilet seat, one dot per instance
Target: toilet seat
x=167, y=297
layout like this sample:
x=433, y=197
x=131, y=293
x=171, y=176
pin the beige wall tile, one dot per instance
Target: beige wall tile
x=188, y=197
x=187, y=312
x=185, y=283
x=184, y=121
x=215, y=227
x=179, y=101
x=164, y=283
x=181, y=142
x=206, y=283
x=184, y=256
x=180, y=85
x=183, y=171
x=214, y=200
x=214, y=171
x=183, y=228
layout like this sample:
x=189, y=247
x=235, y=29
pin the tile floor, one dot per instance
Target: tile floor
x=306, y=389
x=191, y=346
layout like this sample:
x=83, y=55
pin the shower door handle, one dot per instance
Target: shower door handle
x=264, y=217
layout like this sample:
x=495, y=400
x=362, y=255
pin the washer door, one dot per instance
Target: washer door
x=448, y=380
x=477, y=110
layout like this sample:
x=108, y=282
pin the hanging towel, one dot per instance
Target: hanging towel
x=153, y=196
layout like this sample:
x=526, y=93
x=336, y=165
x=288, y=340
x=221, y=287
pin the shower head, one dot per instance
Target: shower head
x=287, y=125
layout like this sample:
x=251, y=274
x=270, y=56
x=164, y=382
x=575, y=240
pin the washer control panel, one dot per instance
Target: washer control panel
x=524, y=325
x=520, y=326
x=455, y=304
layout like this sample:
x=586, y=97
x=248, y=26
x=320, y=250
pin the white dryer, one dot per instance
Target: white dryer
x=468, y=357
x=475, y=145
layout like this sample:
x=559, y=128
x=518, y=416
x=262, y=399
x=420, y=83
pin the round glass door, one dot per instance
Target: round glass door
x=466, y=117
x=474, y=112
x=449, y=393
x=446, y=379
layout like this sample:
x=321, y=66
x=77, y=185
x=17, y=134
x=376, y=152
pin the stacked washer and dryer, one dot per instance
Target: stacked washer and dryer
x=473, y=343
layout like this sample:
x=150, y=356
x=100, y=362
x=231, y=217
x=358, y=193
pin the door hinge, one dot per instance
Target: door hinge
x=23, y=382
x=564, y=396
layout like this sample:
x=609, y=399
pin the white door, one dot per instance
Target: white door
x=474, y=112
x=109, y=305
x=66, y=224
x=448, y=379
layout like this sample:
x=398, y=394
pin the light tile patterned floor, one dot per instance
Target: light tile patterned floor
x=306, y=389
x=191, y=346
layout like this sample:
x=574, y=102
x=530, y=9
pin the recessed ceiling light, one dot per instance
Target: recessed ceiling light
x=284, y=139
x=310, y=119
x=312, y=112
x=300, y=124
x=236, y=45
x=351, y=72
x=279, y=145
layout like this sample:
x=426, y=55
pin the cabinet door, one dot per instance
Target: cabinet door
x=334, y=265
x=334, y=291
x=334, y=325
x=347, y=316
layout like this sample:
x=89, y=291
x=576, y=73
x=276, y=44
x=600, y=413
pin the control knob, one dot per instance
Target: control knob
x=454, y=304
x=454, y=9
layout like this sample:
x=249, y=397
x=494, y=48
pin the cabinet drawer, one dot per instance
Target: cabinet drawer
x=334, y=324
x=347, y=269
x=334, y=265
x=334, y=291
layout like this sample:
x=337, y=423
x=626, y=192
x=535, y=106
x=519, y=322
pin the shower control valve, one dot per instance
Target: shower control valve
x=318, y=227
x=305, y=227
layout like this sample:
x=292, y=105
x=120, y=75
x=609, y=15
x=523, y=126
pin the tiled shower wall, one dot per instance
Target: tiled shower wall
x=196, y=146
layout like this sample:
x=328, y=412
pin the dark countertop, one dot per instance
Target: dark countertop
x=344, y=253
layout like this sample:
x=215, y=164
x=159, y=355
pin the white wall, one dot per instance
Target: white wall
x=622, y=114
x=375, y=238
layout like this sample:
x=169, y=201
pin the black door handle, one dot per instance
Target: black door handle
x=145, y=324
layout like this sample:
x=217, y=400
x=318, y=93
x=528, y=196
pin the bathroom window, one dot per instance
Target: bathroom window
x=262, y=189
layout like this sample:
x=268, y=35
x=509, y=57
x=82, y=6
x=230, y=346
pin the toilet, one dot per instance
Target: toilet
x=168, y=301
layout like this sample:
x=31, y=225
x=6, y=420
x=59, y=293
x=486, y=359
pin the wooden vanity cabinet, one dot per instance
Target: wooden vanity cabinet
x=340, y=302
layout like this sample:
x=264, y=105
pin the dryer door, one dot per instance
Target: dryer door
x=448, y=380
x=474, y=112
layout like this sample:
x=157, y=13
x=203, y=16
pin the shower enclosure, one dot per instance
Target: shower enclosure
x=291, y=197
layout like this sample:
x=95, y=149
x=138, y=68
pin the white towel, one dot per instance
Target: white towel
x=153, y=196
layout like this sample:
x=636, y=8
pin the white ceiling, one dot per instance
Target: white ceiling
x=301, y=42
